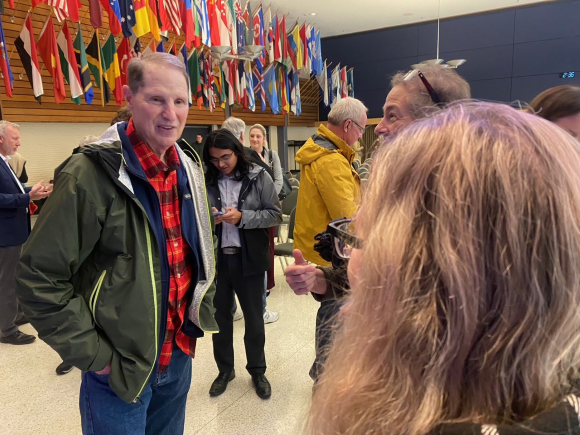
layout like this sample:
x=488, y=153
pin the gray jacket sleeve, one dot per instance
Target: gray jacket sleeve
x=277, y=169
x=262, y=207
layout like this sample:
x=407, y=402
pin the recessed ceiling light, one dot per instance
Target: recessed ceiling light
x=313, y=13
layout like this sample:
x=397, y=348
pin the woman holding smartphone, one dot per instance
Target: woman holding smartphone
x=245, y=205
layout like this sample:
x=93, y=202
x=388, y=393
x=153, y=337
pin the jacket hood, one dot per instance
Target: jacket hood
x=323, y=143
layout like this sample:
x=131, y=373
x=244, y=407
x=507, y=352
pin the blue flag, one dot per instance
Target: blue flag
x=318, y=52
x=5, y=65
x=270, y=88
x=160, y=47
x=127, y=17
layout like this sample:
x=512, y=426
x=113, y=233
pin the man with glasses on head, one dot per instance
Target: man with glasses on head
x=329, y=189
x=413, y=95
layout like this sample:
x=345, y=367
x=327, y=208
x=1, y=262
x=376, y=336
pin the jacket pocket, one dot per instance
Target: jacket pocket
x=95, y=295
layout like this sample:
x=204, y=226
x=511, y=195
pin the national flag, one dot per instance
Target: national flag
x=136, y=50
x=27, y=51
x=277, y=39
x=163, y=15
x=269, y=35
x=232, y=25
x=296, y=47
x=114, y=12
x=153, y=20
x=259, y=88
x=226, y=66
x=194, y=78
x=182, y=55
x=112, y=69
x=219, y=86
x=350, y=82
x=247, y=14
x=81, y=58
x=95, y=60
x=60, y=8
x=311, y=41
x=96, y=14
x=335, y=84
x=283, y=87
x=160, y=48
x=270, y=88
x=203, y=18
x=249, y=79
x=296, y=104
x=5, y=65
x=48, y=50
x=343, y=83
x=322, y=80
x=74, y=7
x=240, y=27
x=258, y=23
x=128, y=18
x=171, y=16
x=329, y=83
x=303, y=45
x=318, y=51
x=187, y=19
x=68, y=64
x=218, y=22
x=286, y=57
x=124, y=55
x=141, y=26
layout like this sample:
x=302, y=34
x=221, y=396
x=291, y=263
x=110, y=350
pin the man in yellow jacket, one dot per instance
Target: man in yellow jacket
x=329, y=189
x=329, y=186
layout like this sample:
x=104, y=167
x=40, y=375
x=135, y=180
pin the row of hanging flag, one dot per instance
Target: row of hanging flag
x=296, y=55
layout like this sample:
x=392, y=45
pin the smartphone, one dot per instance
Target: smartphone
x=217, y=213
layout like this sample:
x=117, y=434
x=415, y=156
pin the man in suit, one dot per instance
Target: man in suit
x=14, y=230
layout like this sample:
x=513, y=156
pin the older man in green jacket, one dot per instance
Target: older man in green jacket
x=118, y=273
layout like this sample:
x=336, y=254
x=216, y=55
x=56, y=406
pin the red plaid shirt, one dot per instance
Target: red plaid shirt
x=163, y=178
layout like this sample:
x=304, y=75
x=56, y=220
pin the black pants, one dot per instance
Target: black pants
x=249, y=290
x=325, y=322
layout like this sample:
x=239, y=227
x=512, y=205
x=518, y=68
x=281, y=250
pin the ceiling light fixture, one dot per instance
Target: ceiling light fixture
x=313, y=13
x=449, y=64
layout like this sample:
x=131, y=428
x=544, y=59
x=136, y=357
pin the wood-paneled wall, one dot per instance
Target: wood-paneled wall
x=22, y=107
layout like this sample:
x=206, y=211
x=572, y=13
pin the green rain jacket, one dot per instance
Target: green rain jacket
x=90, y=275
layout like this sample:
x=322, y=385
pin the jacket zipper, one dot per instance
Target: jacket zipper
x=95, y=295
x=153, y=284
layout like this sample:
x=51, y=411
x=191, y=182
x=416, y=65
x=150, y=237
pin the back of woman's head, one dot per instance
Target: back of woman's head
x=557, y=102
x=225, y=140
x=466, y=307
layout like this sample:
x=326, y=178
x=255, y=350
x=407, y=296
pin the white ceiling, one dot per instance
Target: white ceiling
x=338, y=17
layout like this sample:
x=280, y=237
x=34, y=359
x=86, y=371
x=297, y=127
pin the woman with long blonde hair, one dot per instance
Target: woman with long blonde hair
x=464, y=316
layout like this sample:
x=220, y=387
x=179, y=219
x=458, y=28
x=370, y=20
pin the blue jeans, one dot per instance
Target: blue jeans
x=159, y=411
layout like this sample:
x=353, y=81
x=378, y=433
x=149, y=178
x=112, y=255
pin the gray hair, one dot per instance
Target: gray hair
x=235, y=126
x=4, y=124
x=347, y=108
x=448, y=85
x=137, y=66
x=88, y=139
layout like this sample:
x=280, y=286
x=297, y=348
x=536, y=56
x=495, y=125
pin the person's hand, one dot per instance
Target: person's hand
x=105, y=371
x=232, y=216
x=217, y=219
x=39, y=191
x=304, y=278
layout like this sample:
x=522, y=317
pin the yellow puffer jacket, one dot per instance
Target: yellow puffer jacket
x=329, y=189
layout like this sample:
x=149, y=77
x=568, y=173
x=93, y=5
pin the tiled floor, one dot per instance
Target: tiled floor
x=35, y=401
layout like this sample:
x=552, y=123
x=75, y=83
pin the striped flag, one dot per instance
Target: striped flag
x=5, y=65
x=114, y=11
x=95, y=59
x=174, y=15
x=259, y=88
x=204, y=32
x=60, y=9
x=194, y=78
x=112, y=69
x=68, y=63
x=83, y=65
x=27, y=52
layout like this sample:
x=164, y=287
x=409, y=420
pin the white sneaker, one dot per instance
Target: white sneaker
x=270, y=316
x=238, y=315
